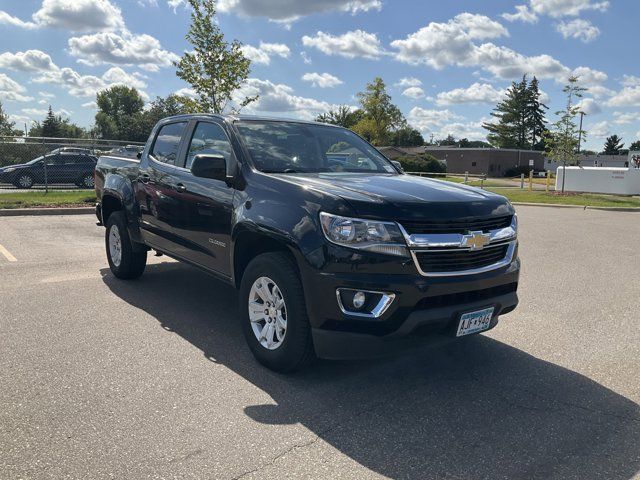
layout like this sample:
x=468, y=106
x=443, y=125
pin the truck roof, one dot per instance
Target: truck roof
x=234, y=118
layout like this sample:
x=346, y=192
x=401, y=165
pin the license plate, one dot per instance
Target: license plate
x=474, y=322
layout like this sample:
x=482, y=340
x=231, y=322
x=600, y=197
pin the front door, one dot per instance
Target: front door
x=205, y=205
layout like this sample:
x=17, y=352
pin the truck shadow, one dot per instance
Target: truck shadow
x=476, y=408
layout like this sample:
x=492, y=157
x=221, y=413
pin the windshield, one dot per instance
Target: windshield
x=289, y=147
x=35, y=160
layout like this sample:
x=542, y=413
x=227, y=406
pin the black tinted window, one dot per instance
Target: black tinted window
x=208, y=138
x=165, y=148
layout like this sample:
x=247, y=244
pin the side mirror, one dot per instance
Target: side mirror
x=210, y=166
x=398, y=165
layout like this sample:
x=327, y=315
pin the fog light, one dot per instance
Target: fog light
x=358, y=300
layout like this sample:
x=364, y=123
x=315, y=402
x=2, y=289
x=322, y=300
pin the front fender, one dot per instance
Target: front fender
x=121, y=188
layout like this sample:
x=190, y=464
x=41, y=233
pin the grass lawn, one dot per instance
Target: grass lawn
x=51, y=199
x=583, y=199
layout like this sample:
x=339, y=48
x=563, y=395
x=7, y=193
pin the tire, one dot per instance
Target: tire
x=23, y=181
x=125, y=262
x=295, y=349
x=86, y=181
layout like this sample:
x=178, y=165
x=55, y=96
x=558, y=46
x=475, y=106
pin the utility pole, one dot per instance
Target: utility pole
x=582, y=114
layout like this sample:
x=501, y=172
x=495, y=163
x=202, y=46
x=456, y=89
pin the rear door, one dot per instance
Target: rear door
x=205, y=205
x=158, y=198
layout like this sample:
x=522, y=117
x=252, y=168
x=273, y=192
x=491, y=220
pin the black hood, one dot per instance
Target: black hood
x=405, y=197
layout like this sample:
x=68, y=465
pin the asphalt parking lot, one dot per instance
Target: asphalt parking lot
x=101, y=378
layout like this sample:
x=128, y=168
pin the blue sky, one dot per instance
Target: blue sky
x=445, y=63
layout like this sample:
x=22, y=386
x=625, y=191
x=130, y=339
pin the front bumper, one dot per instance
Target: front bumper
x=425, y=309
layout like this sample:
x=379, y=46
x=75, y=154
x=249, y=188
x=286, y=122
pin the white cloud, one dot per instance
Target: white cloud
x=562, y=8
x=357, y=43
x=413, y=92
x=305, y=58
x=79, y=85
x=11, y=90
x=322, y=80
x=29, y=61
x=121, y=49
x=279, y=99
x=408, y=82
x=599, y=130
x=624, y=118
x=426, y=119
x=474, y=93
x=75, y=16
x=265, y=51
x=46, y=95
x=627, y=97
x=290, y=10
x=589, y=106
x=6, y=19
x=92, y=105
x=580, y=29
x=630, y=80
x=523, y=14
x=186, y=92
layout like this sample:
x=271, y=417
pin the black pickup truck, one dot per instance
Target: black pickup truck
x=335, y=252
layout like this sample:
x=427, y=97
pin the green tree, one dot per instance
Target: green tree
x=406, y=137
x=635, y=146
x=51, y=125
x=381, y=116
x=449, y=141
x=167, y=107
x=344, y=116
x=214, y=68
x=562, y=139
x=120, y=115
x=421, y=163
x=6, y=126
x=519, y=118
x=613, y=145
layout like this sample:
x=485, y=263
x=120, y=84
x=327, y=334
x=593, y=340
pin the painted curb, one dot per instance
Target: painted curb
x=18, y=212
x=581, y=207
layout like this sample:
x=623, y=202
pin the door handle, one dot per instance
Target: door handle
x=144, y=178
x=180, y=188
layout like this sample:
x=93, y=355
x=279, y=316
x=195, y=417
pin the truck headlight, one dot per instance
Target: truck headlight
x=370, y=235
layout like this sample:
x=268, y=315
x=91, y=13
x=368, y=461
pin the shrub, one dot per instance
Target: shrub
x=421, y=163
x=517, y=171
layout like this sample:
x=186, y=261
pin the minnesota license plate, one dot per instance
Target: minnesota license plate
x=474, y=322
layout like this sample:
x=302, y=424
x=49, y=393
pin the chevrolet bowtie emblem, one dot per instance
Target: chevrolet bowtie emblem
x=475, y=240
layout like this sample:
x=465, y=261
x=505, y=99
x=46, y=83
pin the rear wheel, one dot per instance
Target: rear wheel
x=23, y=180
x=125, y=261
x=274, y=314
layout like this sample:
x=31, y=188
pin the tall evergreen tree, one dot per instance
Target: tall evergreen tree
x=51, y=125
x=520, y=117
x=613, y=145
x=6, y=126
x=537, y=124
x=635, y=146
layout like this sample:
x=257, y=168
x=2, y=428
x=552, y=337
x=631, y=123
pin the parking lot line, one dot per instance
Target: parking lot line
x=7, y=254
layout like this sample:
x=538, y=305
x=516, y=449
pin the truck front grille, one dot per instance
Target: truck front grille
x=462, y=227
x=437, y=261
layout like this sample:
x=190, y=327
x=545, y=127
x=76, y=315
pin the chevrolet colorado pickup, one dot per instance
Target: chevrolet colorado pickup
x=334, y=251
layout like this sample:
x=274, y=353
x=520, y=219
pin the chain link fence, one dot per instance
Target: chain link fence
x=55, y=163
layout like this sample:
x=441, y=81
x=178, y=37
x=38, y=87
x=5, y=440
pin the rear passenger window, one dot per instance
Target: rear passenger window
x=165, y=148
x=208, y=138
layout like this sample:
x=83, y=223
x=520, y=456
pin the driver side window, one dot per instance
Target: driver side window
x=208, y=138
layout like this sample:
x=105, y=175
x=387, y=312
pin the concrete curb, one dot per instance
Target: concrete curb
x=18, y=212
x=581, y=207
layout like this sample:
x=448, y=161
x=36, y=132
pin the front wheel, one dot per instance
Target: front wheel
x=24, y=181
x=125, y=261
x=87, y=181
x=274, y=315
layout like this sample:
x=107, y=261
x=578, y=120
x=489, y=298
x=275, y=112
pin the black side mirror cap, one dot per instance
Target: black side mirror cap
x=210, y=166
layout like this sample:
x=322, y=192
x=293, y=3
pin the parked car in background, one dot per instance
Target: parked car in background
x=334, y=251
x=128, y=151
x=59, y=167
